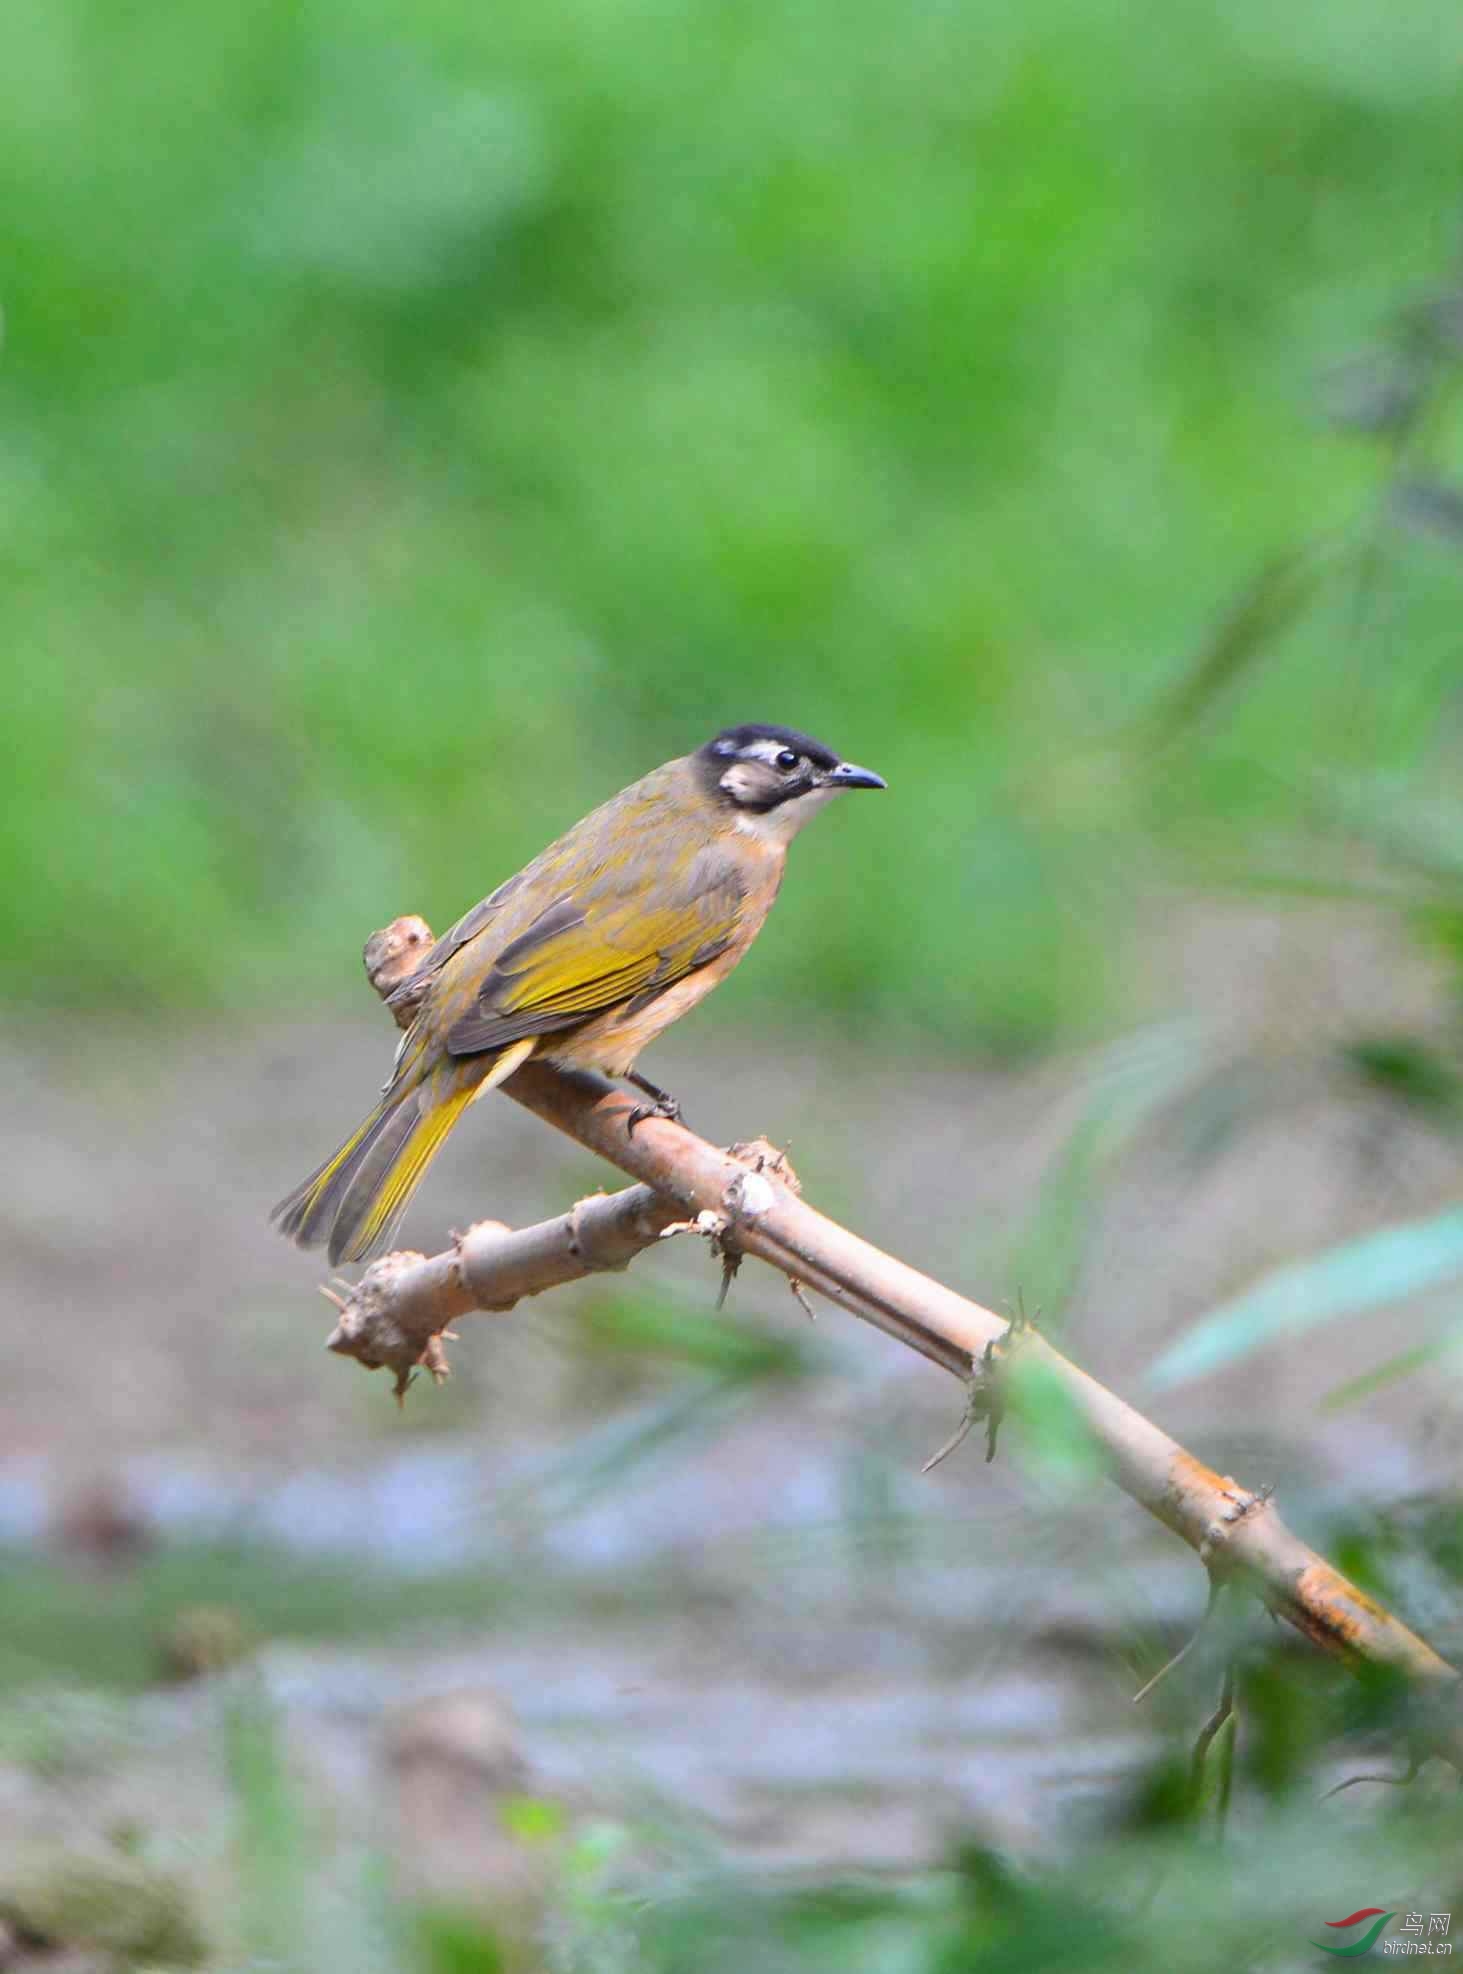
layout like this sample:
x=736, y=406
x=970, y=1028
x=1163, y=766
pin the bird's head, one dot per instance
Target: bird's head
x=770, y=780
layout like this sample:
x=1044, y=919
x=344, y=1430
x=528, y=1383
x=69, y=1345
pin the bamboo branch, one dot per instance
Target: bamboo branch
x=748, y=1203
x=392, y=1317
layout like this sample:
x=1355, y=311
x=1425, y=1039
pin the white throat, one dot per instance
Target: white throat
x=780, y=825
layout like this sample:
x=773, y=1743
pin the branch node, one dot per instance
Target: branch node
x=1240, y=1503
x=392, y=956
x=576, y=1230
x=369, y=1331
x=461, y=1261
x=749, y=1196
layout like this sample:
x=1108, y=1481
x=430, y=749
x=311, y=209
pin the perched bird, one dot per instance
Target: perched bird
x=607, y=937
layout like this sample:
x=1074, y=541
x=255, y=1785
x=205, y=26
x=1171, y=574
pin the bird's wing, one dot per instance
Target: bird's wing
x=610, y=940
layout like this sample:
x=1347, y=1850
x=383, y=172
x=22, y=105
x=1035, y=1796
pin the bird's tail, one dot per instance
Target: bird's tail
x=355, y=1200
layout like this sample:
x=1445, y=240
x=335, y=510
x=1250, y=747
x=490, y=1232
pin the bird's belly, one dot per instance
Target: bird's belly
x=611, y=1042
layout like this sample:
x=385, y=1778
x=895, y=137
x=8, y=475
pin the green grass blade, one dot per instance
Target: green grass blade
x=1380, y=1268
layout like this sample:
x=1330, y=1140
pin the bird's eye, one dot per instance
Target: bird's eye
x=786, y=761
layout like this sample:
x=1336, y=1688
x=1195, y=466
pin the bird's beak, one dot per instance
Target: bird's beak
x=846, y=775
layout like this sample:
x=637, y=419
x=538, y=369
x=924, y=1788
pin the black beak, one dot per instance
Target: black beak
x=846, y=775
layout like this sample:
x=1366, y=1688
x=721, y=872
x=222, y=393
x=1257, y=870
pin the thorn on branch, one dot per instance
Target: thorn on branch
x=974, y=1409
x=800, y=1297
x=980, y=1403
x=715, y=1230
x=984, y=1397
x=731, y=1261
x=747, y=1197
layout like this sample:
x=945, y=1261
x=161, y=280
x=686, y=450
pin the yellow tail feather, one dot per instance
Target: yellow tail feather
x=405, y=1175
x=421, y=1147
x=305, y=1214
x=356, y=1197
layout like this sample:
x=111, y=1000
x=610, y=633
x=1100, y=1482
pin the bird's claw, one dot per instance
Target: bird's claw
x=665, y=1107
x=662, y=1103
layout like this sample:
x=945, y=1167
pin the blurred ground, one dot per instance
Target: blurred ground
x=741, y=1599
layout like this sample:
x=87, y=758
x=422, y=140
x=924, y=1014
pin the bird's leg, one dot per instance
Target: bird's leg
x=662, y=1103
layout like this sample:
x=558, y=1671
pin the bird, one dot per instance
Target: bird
x=613, y=932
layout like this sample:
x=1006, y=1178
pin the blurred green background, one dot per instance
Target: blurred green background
x=414, y=425
x=419, y=422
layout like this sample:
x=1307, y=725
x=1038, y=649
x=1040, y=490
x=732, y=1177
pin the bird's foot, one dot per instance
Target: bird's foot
x=670, y=1110
x=662, y=1104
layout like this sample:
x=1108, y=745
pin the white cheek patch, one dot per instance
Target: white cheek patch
x=744, y=784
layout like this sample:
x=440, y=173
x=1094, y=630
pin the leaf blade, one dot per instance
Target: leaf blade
x=1384, y=1267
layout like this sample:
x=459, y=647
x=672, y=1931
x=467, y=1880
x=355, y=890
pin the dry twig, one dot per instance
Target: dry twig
x=744, y=1201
